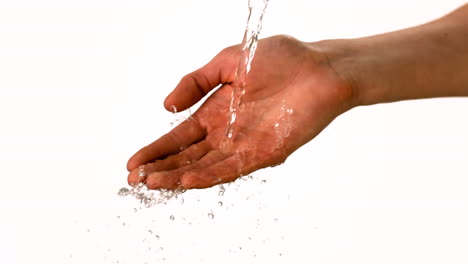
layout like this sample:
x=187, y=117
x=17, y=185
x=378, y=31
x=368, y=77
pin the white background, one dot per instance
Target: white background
x=81, y=89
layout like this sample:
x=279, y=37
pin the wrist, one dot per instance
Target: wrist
x=342, y=56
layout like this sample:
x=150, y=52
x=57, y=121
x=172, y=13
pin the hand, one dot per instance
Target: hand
x=292, y=93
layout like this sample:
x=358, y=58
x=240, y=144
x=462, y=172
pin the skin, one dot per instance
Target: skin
x=316, y=81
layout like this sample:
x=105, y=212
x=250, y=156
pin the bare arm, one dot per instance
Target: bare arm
x=426, y=61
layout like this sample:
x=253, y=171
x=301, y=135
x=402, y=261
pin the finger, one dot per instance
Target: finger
x=171, y=179
x=196, y=85
x=184, y=158
x=224, y=171
x=173, y=142
x=137, y=176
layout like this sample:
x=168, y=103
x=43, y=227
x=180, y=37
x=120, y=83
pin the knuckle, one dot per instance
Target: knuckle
x=227, y=51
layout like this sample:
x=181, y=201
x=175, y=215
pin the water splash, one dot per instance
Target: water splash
x=282, y=126
x=257, y=10
x=179, y=117
x=148, y=197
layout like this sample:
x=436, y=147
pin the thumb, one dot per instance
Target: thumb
x=194, y=86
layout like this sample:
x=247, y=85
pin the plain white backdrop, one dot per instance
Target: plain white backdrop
x=82, y=85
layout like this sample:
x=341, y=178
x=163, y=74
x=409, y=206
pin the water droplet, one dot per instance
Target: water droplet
x=88, y=230
x=123, y=192
x=182, y=201
x=174, y=109
x=141, y=171
x=221, y=190
x=157, y=237
x=280, y=254
x=276, y=219
x=277, y=125
x=220, y=203
x=263, y=181
x=161, y=248
x=188, y=162
x=150, y=231
x=135, y=210
x=240, y=248
x=211, y=215
x=249, y=238
x=118, y=217
x=172, y=218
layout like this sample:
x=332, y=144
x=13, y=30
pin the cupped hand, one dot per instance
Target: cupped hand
x=291, y=94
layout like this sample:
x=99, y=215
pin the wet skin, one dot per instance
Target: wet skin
x=286, y=72
x=318, y=81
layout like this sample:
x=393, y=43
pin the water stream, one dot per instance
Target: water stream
x=257, y=10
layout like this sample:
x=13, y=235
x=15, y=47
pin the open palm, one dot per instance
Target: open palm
x=291, y=94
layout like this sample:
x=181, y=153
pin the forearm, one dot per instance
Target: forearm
x=427, y=61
